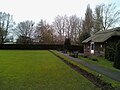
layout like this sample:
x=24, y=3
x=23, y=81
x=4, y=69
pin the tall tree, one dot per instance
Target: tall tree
x=44, y=33
x=68, y=27
x=6, y=24
x=111, y=16
x=106, y=16
x=98, y=18
x=25, y=31
x=59, y=26
x=88, y=22
x=75, y=28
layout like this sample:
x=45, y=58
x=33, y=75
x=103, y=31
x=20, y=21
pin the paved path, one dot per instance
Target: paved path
x=115, y=75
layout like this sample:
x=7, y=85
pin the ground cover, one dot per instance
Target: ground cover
x=38, y=70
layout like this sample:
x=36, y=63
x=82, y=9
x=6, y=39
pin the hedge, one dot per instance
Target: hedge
x=38, y=47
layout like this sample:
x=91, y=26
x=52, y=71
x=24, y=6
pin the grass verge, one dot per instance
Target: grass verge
x=114, y=83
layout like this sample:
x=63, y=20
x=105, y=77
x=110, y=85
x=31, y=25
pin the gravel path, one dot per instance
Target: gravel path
x=115, y=75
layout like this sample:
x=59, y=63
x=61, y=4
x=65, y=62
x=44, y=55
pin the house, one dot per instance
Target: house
x=97, y=43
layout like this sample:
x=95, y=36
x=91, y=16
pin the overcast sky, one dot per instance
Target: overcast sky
x=47, y=9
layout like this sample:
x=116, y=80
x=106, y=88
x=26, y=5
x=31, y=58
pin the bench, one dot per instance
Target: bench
x=74, y=54
x=65, y=51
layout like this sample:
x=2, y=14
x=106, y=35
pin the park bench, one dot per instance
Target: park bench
x=74, y=54
x=65, y=51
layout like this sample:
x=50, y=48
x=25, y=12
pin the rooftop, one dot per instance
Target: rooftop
x=102, y=36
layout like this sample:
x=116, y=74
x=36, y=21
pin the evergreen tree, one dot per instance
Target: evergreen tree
x=117, y=56
x=67, y=44
x=88, y=22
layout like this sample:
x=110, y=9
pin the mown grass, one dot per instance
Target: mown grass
x=114, y=83
x=101, y=61
x=38, y=70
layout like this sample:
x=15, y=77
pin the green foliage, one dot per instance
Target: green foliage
x=38, y=70
x=110, y=51
x=67, y=44
x=117, y=56
x=83, y=36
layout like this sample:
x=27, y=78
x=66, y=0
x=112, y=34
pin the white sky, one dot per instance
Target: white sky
x=47, y=9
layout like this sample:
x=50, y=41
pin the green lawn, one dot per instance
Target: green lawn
x=101, y=61
x=38, y=70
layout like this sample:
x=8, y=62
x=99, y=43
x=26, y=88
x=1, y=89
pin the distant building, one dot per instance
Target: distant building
x=97, y=43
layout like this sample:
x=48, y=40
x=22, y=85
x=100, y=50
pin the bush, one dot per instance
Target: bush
x=67, y=44
x=110, y=51
x=93, y=58
x=89, y=56
x=117, y=56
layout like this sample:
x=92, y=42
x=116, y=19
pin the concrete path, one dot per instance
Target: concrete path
x=115, y=75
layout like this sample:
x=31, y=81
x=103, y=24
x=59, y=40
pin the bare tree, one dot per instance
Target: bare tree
x=68, y=27
x=111, y=16
x=6, y=24
x=59, y=26
x=44, y=33
x=75, y=28
x=25, y=31
x=106, y=16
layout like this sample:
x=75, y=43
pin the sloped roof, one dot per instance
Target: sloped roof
x=102, y=36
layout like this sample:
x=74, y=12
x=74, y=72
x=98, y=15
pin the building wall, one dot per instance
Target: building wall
x=100, y=49
x=87, y=48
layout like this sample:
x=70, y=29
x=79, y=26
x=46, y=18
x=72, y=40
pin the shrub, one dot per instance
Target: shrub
x=117, y=56
x=93, y=57
x=110, y=51
x=67, y=44
x=89, y=56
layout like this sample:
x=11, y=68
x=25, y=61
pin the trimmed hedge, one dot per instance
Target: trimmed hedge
x=29, y=46
x=77, y=48
x=38, y=47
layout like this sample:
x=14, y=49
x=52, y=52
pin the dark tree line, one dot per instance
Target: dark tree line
x=73, y=27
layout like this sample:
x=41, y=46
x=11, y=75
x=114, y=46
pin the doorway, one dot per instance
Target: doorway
x=92, y=46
